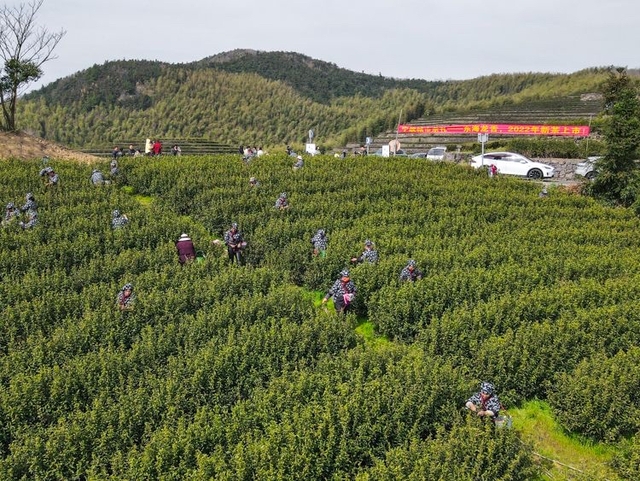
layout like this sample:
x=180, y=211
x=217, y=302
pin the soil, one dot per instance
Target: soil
x=20, y=145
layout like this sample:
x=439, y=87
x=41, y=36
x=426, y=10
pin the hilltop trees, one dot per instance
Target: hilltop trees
x=618, y=180
x=253, y=101
x=24, y=47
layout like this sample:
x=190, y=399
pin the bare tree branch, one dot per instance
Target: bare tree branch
x=24, y=48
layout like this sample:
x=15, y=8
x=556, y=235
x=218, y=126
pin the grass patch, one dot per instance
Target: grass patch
x=367, y=330
x=142, y=199
x=364, y=327
x=316, y=298
x=589, y=459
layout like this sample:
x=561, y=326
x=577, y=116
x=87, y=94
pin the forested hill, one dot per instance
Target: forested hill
x=315, y=79
x=271, y=98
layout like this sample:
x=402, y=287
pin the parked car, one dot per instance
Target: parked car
x=513, y=164
x=436, y=153
x=587, y=168
x=399, y=153
x=418, y=155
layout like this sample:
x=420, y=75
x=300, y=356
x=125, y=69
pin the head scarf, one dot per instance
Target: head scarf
x=487, y=388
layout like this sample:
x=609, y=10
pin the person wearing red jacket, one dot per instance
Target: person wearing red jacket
x=157, y=148
x=186, y=249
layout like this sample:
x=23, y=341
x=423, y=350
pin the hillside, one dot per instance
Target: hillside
x=269, y=98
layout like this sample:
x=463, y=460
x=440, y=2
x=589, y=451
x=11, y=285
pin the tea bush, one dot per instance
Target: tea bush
x=226, y=372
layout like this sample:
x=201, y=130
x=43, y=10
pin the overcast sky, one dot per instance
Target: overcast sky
x=426, y=39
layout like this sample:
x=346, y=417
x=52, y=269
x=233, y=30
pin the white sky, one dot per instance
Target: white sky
x=426, y=39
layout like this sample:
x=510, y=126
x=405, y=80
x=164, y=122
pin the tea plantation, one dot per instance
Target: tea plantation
x=233, y=372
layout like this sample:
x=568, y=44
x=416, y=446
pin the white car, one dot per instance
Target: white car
x=587, y=168
x=513, y=164
x=436, y=153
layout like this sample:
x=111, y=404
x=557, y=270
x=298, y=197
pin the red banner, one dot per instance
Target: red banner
x=500, y=129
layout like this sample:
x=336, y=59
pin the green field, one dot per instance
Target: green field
x=238, y=372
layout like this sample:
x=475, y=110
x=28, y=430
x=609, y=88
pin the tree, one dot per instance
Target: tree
x=24, y=47
x=617, y=180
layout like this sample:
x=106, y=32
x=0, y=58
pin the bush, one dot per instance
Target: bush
x=599, y=397
x=469, y=451
x=627, y=462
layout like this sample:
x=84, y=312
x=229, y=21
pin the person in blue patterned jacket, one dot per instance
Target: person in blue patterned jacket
x=31, y=209
x=30, y=205
x=343, y=292
x=113, y=165
x=118, y=220
x=282, y=203
x=235, y=243
x=485, y=402
x=126, y=298
x=96, y=177
x=32, y=220
x=410, y=272
x=369, y=254
x=319, y=242
x=11, y=213
x=51, y=178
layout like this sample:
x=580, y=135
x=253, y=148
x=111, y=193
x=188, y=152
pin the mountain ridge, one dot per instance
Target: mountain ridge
x=287, y=93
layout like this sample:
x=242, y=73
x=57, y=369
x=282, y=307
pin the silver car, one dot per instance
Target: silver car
x=587, y=169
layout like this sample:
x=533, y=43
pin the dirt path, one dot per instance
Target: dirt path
x=20, y=145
